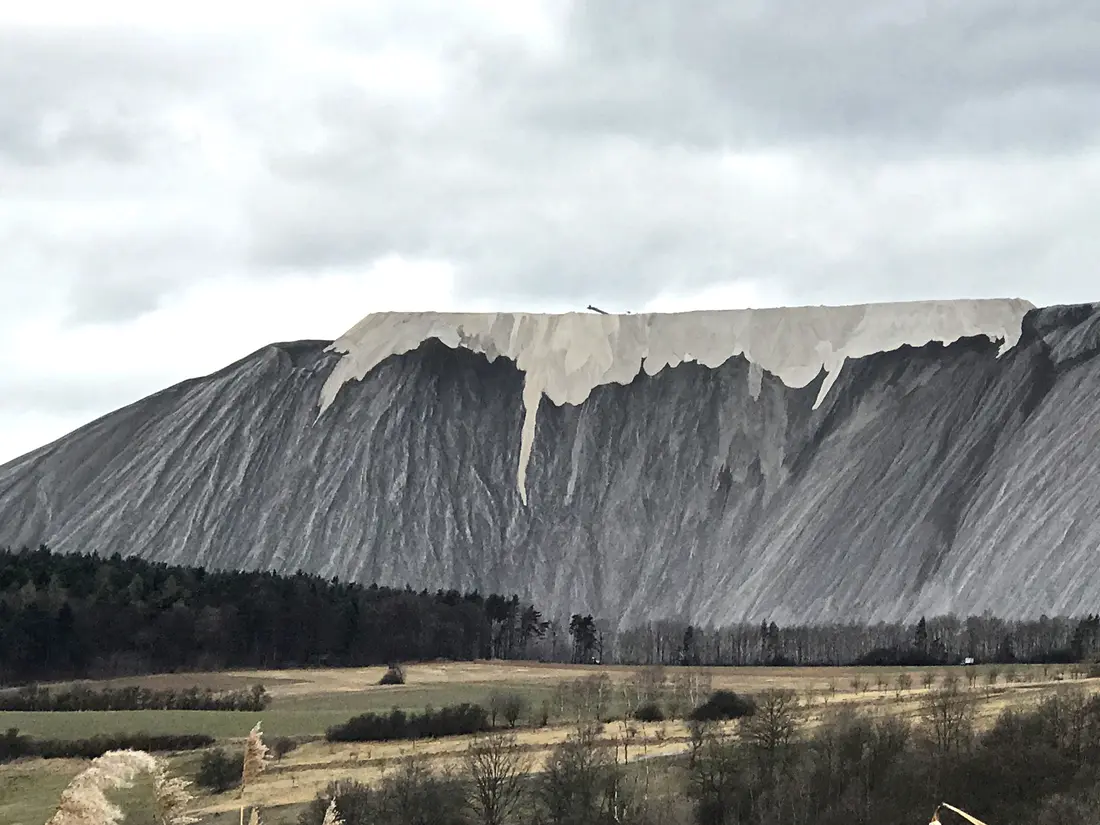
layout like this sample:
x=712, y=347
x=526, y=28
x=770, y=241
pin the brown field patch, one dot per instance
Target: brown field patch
x=307, y=682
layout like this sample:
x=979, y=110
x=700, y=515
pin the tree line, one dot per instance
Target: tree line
x=66, y=616
x=77, y=616
x=783, y=764
x=939, y=640
x=82, y=697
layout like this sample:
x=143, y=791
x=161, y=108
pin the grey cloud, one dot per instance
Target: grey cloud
x=975, y=76
x=568, y=216
x=506, y=218
x=123, y=276
x=102, y=196
x=594, y=171
x=100, y=93
x=69, y=395
x=110, y=272
x=108, y=300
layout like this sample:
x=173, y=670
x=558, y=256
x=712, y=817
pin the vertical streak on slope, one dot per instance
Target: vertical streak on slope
x=532, y=397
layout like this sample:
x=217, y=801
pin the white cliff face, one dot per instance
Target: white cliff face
x=566, y=356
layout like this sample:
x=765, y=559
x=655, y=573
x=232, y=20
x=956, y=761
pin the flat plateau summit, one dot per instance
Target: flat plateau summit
x=799, y=465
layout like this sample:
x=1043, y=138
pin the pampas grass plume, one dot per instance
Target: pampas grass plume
x=255, y=755
x=84, y=802
x=172, y=797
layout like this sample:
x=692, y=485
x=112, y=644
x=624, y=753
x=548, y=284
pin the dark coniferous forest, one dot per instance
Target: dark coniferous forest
x=82, y=616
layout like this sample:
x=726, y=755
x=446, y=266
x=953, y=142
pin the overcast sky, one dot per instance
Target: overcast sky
x=178, y=189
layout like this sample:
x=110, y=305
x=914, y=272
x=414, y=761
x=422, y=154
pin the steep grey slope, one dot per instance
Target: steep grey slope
x=928, y=478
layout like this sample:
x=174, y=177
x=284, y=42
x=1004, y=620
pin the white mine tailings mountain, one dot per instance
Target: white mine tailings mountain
x=796, y=465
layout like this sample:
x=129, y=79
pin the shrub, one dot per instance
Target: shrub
x=14, y=746
x=219, y=772
x=723, y=704
x=453, y=720
x=508, y=706
x=394, y=675
x=649, y=712
x=282, y=746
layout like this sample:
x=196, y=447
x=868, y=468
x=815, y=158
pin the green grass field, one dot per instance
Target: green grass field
x=30, y=790
x=29, y=793
x=219, y=724
x=298, y=716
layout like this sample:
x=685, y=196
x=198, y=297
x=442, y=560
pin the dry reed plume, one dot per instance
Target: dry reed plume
x=331, y=815
x=172, y=797
x=255, y=757
x=936, y=815
x=84, y=801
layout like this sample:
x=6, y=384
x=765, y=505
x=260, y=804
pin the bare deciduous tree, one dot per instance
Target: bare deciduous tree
x=971, y=676
x=771, y=730
x=416, y=794
x=774, y=724
x=881, y=682
x=689, y=689
x=513, y=707
x=716, y=777
x=902, y=683
x=647, y=687
x=497, y=770
x=496, y=706
x=573, y=786
x=699, y=733
x=991, y=675
x=948, y=716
